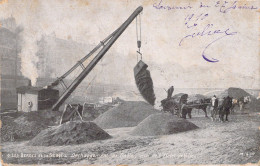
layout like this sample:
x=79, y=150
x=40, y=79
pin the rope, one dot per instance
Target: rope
x=140, y=28
x=136, y=25
x=138, y=36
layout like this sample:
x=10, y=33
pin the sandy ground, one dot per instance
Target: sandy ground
x=233, y=142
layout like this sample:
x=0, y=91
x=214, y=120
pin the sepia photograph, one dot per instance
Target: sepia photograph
x=129, y=82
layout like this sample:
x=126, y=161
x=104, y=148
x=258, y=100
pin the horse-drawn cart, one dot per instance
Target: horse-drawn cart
x=180, y=105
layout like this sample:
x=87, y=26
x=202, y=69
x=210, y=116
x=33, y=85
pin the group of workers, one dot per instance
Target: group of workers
x=225, y=106
x=222, y=107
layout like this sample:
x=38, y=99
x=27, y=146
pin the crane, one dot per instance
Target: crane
x=105, y=44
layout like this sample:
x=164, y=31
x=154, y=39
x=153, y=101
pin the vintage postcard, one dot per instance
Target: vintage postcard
x=151, y=82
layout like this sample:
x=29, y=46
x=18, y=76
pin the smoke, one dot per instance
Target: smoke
x=14, y=14
x=28, y=55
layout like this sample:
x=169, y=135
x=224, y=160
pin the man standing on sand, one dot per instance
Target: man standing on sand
x=169, y=92
x=214, y=104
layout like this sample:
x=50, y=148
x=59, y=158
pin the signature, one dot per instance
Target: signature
x=226, y=6
x=194, y=20
x=222, y=6
x=160, y=5
x=208, y=32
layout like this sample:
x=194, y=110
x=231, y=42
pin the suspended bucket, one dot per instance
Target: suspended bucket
x=144, y=82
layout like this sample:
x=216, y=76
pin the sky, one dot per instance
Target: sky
x=173, y=55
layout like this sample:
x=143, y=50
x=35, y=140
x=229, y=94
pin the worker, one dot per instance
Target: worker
x=170, y=91
x=227, y=104
x=214, y=104
x=30, y=105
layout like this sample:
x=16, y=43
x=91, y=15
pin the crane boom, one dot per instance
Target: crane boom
x=56, y=82
x=93, y=63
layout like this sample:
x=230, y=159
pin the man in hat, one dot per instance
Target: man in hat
x=169, y=92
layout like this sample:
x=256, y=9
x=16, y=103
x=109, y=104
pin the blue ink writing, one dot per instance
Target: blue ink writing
x=190, y=18
x=160, y=6
x=208, y=32
x=227, y=6
x=202, y=5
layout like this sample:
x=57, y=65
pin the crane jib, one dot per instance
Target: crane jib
x=97, y=58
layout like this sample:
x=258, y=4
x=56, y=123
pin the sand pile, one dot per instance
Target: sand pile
x=196, y=97
x=236, y=93
x=42, y=117
x=254, y=105
x=162, y=124
x=11, y=131
x=27, y=125
x=178, y=95
x=127, y=114
x=74, y=132
x=89, y=114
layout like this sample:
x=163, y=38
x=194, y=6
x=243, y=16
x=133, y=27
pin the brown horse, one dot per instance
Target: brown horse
x=224, y=108
x=201, y=104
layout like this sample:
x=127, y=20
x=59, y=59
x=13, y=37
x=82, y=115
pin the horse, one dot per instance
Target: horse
x=198, y=104
x=224, y=108
x=240, y=102
x=243, y=101
x=235, y=103
x=169, y=105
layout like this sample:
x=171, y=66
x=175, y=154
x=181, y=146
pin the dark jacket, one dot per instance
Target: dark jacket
x=216, y=103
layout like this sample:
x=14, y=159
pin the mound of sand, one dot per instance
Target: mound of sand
x=178, y=95
x=26, y=125
x=254, y=105
x=70, y=133
x=196, y=97
x=127, y=114
x=89, y=114
x=43, y=117
x=236, y=93
x=162, y=124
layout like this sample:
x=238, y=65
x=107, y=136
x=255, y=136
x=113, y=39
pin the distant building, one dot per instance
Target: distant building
x=56, y=56
x=10, y=64
x=105, y=100
x=53, y=51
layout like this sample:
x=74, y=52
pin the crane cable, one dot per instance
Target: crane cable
x=138, y=36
